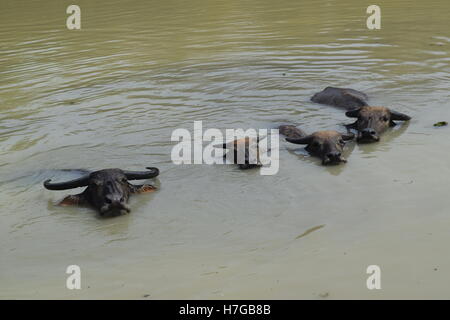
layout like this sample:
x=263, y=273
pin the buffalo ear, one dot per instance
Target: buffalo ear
x=304, y=140
x=399, y=116
x=348, y=136
x=73, y=200
x=353, y=113
x=143, y=188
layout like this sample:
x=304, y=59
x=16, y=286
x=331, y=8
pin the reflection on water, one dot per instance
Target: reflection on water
x=111, y=94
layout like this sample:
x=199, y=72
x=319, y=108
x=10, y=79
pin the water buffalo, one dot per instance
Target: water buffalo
x=372, y=121
x=107, y=190
x=249, y=156
x=341, y=97
x=327, y=145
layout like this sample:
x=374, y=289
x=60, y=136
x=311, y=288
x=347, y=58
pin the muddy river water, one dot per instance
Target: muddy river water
x=111, y=94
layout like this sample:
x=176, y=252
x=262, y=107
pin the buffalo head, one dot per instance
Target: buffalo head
x=372, y=121
x=327, y=145
x=244, y=152
x=107, y=190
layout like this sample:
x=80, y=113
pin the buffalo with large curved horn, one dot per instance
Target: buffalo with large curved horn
x=327, y=145
x=108, y=190
x=372, y=121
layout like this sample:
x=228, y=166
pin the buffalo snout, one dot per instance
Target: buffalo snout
x=333, y=158
x=367, y=135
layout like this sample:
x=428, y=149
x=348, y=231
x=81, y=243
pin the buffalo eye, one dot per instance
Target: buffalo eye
x=384, y=118
x=341, y=141
x=315, y=144
x=95, y=183
x=124, y=180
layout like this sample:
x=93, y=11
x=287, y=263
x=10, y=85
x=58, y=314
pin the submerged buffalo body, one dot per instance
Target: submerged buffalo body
x=107, y=190
x=326, y=145
x=371, y=121
x=341, y=97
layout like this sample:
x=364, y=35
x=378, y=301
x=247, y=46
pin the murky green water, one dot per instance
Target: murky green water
x=111, y=94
